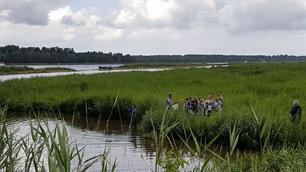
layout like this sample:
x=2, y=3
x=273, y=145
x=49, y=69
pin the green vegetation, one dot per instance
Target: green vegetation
x=42, y=149
x=5, y=70
x=16, y=54
x=46, y=148
x=162, y=65
x=210, y=158
x=267, y=89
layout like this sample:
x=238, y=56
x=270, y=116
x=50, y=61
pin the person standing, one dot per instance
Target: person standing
x=134, y=118
x=201, y=107
x=296, y=111
x=219, y=105
x=169, y=102
x=211, y=105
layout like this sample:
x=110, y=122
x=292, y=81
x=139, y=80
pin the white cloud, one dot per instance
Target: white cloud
x=82, y=21
x=162, y=13
x=145, y=12
x=158, y=26
x=159, y=10
x=59, y=14
x=69, y=17
x=242, y=16
x=68, y=34
x=107, y=33
x=5, y=13
x=93, y=21
x=33, y=12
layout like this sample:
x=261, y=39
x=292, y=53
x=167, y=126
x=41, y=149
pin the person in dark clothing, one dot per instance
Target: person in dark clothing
x=296, y=111
x=194, y=104
x=134, y=116
x=169, y=102
x=130, y=110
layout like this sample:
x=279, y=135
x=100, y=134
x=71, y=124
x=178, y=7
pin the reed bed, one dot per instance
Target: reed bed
x=212, y=158
x=52, y=149
x=267, y=89
x=44, y=149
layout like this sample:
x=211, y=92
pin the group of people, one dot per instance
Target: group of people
x=198, y=105
x=206, y=107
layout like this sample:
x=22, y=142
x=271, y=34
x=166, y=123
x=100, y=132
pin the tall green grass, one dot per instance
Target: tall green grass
x=46, y=149
x=269, y=88
x=280, y=159
x=42, y=149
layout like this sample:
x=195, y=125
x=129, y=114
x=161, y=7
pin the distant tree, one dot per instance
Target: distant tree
x=15, y=54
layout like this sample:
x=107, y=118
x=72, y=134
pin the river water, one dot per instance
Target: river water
x=131, y=151
x=79, y=70
x=85, y=70
x=77, y=67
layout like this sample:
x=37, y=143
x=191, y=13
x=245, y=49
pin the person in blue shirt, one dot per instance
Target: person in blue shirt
x=133, y=117
x=130, y=110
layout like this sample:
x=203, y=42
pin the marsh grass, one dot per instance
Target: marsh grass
x=51, y=149
x=42, y=149
x=108, y=165
x=281, y=159
x=269, y=88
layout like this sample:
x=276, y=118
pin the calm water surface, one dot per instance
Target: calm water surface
x=83, y=72
x=77, y=67
x=131, y=151
x=86, y=70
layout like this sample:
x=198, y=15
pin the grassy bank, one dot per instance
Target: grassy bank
x=46, y=147
x=161, y=65
x=6, y=70
x=269, y=88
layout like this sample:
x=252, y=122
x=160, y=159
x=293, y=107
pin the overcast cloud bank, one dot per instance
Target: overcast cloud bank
x=158, y=26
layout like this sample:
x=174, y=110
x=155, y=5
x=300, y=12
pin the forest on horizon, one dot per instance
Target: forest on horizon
x=16, y=54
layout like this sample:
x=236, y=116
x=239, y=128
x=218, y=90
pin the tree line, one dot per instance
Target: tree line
x=16, y=54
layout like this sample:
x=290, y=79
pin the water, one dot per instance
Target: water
x=132, y=152
x=77, y=67
x=85, y=72
x=88, y=70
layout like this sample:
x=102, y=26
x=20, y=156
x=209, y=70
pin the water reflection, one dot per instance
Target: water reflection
x=131, y=151
x=85, y=72
x=89, y=71
x=78, y=67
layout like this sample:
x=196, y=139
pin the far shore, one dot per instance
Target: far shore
x=8, y=70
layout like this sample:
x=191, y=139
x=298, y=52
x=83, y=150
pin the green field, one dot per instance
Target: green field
x=268, y=88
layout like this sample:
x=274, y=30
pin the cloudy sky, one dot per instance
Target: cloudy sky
x=158, y=26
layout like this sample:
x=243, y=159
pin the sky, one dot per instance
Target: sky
x=267, y=27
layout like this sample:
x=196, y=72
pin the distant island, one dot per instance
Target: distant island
x=22, y=55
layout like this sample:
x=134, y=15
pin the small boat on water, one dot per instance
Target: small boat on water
x=106, y=67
